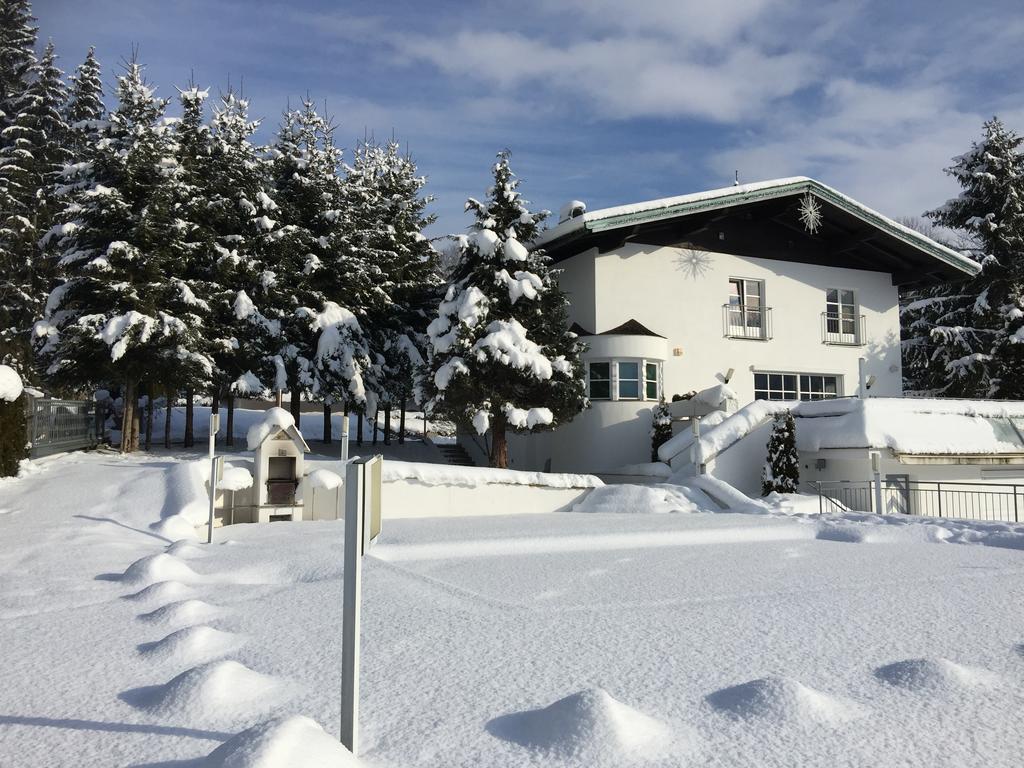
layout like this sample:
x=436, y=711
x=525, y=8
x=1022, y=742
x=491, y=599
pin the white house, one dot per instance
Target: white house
x=777, y=288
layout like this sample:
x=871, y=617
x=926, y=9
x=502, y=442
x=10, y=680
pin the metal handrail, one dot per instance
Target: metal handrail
x=743, y=322
x=838, y=337
x=967, y=500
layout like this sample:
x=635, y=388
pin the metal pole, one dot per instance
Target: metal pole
x=214, y=429
x=351, y=605
x=876, y=466
x=938, y=487
x=213, y=496
x=1015, y=518
x=344, y=437
x=818, y=484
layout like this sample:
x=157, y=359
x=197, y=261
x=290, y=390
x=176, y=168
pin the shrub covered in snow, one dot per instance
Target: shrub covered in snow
x=782, y=468
x=661, y=429
x=501, y=354
x=13, y=433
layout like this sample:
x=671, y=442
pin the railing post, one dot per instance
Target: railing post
x=818, y=484
x=939, y=494
x=1016, y=519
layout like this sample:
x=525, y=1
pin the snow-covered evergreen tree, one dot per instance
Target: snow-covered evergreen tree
x=313, y=298
x=32, y=152
x=781, y=472
x=952, y=332
x=85, y=105
x=17, y=55
x=120, y=309
x=661, y=427
x=501, y=353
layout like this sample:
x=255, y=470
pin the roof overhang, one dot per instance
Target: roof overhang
x=852, y=235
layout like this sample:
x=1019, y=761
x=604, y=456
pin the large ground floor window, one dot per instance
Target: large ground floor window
x=796, y=386
x=624, y=380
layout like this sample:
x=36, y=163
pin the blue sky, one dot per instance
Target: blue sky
x=601, y=100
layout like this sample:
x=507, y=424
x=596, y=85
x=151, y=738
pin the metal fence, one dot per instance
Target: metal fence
x=746, y=322
x=901, y=496
x=55, y=426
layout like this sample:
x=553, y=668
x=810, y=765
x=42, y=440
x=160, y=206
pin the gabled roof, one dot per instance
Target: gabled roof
x=895, y=248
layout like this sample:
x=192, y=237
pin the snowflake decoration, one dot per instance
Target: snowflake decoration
x=810, y=213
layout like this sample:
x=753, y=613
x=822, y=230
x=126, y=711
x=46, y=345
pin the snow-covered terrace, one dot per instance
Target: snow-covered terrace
x=904, y=426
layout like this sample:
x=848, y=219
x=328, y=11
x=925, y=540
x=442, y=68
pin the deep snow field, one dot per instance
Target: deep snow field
x=650, y=639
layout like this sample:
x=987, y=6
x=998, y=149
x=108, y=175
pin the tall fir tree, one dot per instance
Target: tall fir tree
x=960, y=340
x=502, y=356
x=85, y=105
x=121, y=310
x=33, y=153
x=17, y=55
x=781, y=472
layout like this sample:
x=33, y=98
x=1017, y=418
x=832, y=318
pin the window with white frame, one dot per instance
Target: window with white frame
x=600, y=381
x=796, y=386
x=746, y=307
x=840, y=316
x=624, y=380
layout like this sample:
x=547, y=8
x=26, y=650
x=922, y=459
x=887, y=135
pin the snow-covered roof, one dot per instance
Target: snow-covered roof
x=275, y=420
x=742, y=194
x=903, y=425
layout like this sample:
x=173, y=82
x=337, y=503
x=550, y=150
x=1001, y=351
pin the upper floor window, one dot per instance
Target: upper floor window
x=842, y=324
x=745, y=313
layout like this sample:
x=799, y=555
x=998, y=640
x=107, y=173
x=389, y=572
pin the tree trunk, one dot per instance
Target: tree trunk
x=136, y=424
x=229, y=436
x=190, y=402
x=376, y=418
x=167, y=417
x=499, y=442
x=214, y=406
x=359, y=429
x=296, y=406
x=150, y=389
x=401, y=423
x=327, y=422
x=127, y=416
x=387, y=424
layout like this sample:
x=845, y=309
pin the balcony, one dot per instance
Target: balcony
x=842, y=330
x=743, y=322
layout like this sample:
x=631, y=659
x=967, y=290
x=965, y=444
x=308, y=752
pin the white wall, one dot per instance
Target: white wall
x=410, y=499
x=741, y=464
x=679, y=294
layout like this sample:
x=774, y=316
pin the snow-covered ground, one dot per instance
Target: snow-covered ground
x=599, y=639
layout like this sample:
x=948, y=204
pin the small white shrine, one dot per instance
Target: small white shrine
x=279, y=466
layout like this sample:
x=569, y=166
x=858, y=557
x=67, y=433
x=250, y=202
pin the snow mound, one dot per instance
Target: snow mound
x=10, y=384
x=235, y=479
x=274, y=419
x=588, y=725
x=782, y=699
x=176, y=527
x=446, y=474
x=159, y=567
x=186, y=549
x=295, y=742
x=324, y=478
x=216, y=693
x=182, y=613
x=162, y=592
x=929, y=674
x=192, y=645
x=644, y=499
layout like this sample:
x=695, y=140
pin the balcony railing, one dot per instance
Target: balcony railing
x=742, y=322
x=842, y=330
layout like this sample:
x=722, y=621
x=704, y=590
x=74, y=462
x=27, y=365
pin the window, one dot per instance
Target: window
x=840, y=316
x=745, y=312
x=629, y=381
x=651, y=381
x=794, y=386
x=600, y=381
x=624, y=380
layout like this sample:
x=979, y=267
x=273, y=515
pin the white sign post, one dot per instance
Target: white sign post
x=215, y=470
x=362, y=518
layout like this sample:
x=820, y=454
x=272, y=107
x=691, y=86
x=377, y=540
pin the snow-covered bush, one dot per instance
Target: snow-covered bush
x=661, y=429
x=13, y=434
x=782, y=468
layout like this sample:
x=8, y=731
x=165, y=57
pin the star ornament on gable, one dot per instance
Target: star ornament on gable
x=810, y=213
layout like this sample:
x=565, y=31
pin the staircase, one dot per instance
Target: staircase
x=455, y=455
